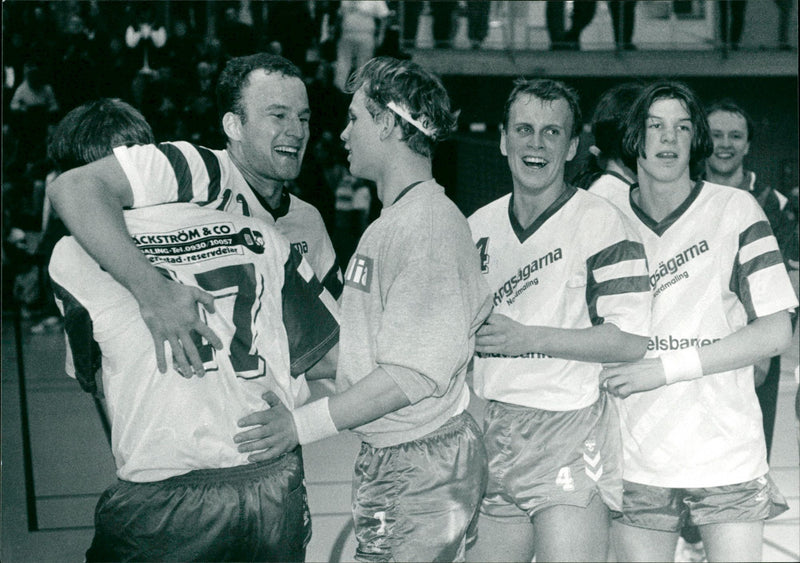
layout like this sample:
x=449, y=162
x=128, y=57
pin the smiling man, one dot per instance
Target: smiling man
x=412, y=302
x=691, y=428
x=569, y=278
x=263, y=104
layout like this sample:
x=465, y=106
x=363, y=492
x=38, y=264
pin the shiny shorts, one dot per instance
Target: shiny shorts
x=418, y=501
x=539, y=458
x=668, y=510
x=254, y=512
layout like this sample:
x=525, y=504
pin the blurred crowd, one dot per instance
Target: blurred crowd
x=58, y=55
x=164, y=58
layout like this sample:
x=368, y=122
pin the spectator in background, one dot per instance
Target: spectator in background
x=33, y=107
x=784, y=19
x=290, y=25
x=235, y=36
x=731, y=22
x=328, y=103
x=180, y=51
x=560, y=37
x=200, y=123
x=362, y=25
x=623, y=16
x=118, y=67
x=478, y=17
x=443, y=21
x=75, y=74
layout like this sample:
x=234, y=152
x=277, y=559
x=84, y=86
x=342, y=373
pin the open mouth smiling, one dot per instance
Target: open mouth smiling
x=285, y=150
x=536, y=162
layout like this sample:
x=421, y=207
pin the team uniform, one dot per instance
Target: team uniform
x=695, y=449
x=184, y=490
x=784, y=226
x=559, y=272
x=183, y=172
x=610, y=182
x=412, y=302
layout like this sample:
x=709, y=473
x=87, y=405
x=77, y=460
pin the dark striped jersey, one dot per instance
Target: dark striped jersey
x=578, y=265
x=274, y=318
x=183, y=172
x=714, y=267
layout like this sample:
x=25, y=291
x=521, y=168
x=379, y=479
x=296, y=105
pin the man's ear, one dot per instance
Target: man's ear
x=387, y=124
x=232, y=125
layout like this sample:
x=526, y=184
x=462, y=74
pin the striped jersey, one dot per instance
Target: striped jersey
x=714, y=267
x=578, y=265
x=182, y=172
x=274, y=318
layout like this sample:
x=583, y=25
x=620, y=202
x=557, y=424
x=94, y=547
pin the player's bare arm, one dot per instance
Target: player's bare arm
x=278, y=431
x=90, y=200
x=603, y=343
x=763, y=338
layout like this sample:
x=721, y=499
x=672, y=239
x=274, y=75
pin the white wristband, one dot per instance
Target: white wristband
x=313, y=422
x=682, y=365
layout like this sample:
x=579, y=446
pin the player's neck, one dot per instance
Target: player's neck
x=268, y=188
x=400, y=173
x=660, y=199
x=735, y=178
x=529, y=204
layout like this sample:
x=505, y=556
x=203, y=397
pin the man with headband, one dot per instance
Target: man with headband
x=412, y=302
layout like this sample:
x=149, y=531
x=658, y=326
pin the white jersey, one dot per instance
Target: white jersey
x=183, y=172
x=608, y=183
x=580, y=264
x=272, y=315
x=714, y=267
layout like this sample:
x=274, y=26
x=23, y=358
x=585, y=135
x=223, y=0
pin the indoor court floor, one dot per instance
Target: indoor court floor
x=56, y=461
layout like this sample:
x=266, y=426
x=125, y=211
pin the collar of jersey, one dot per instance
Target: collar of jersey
x=660, y=227
x=283, y=206
x=618, y=176
x=524, y=234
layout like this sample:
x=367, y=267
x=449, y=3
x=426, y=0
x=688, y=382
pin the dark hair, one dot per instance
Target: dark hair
x=236, y=74
x=548, y=90
x=636, y=122
x=607, y=130
x=386, y=79
x=730, y=106
x=91, y=131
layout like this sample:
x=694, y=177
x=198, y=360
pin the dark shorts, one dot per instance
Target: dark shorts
x=254, y=512
x=668, y=510
x=539, y=458
x=418, y=501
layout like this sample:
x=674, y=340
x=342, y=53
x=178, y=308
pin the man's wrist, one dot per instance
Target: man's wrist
x=313, y=422
x=682, y=365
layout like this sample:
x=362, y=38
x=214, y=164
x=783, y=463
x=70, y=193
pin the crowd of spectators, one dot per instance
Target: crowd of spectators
x=60, y=54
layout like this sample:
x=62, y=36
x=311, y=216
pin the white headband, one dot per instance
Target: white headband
x=406, y=115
